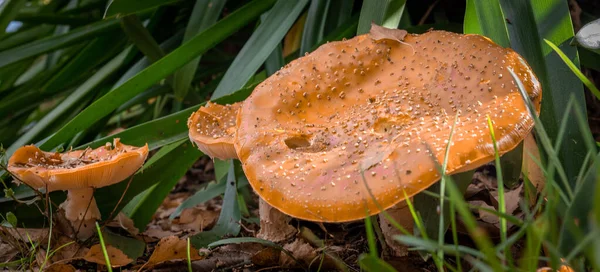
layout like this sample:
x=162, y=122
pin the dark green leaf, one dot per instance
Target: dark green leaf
x=125, y=7
x=374, y=264
x=204, y=15
x=260, y=45
x=491, y=21
x=133, y=248
x=314, y=26
x=41, y=46
x=141, y=37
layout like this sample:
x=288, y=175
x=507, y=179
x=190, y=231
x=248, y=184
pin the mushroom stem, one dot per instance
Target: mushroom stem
x=81, y=210
x=401, y=214
x=274, y=225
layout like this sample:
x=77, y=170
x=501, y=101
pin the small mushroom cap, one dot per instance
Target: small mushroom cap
x=378, y=111
x=76, y=169
x=212, y=128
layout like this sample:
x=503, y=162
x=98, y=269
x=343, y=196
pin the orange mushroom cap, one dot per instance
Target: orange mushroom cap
x=77, y=169
x=212, y=128
x=382, y=105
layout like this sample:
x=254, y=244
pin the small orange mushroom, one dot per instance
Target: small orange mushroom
x=376, y=111
x=78, y=172
x=212, y=128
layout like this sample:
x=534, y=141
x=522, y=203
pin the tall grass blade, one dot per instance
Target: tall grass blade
x=117, y=8
x=141, y=37
x=8, y=11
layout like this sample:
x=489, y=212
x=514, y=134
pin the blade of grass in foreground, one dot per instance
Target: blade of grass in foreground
x=158, y=70
x=574, y=69
x=8, y=12
x=260, y=45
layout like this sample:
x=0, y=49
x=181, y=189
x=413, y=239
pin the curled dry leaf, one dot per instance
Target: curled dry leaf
x=381, y=33
x=301, y=250
x=116, y=256
x=196, y=219
x=60, y=267
x=169, y=249
x=124, y=222
x=400, y=213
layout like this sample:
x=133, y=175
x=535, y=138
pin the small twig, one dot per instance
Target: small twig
x=119, y=202
x=429, y=10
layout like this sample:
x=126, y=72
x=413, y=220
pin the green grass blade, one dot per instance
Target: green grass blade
x=141, y=37
x=314, y=26
x=386, y=13
x=339, y=12
x=374, y=264
x=158, y=71
x=103, y=246
x=260, y=45
x=73, y=99
x=41, y=46
x=500, y=183
x=8, y=11
x=574, y=69
x=204, y=15
x=471, y=22
x=117, y=8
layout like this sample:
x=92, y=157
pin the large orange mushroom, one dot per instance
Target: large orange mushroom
x=78, y=172
x=375, y=113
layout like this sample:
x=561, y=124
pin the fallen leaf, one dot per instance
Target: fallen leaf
x=116, y=256
x=159, y=233
x=379, y=33
x=25, y=235
x=169, y=249
x=268, y=256
x=60, y=267
x=401, y=213
x=8, y=253
x=531, y=169
x=124, y=222
x=301, y=250
x=69, y=249
x=195, y=219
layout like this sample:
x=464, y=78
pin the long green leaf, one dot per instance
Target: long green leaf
x=51, y=43
x=25, y=35
x=386, y=13
x=260, y=45
x=74, y=99
x=127, y=7
x=491, y=21
x=204, y=15
x=314, y=26
x=158, y=71
x=141, y=37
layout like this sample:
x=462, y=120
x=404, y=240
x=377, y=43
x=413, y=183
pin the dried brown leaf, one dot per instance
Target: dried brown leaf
x=169, y=249
x=116, y=256
x=124, y=222
x=196, y=219
x=380, y=33
x=266, y=257
x=60, y=267
x=301, y=250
